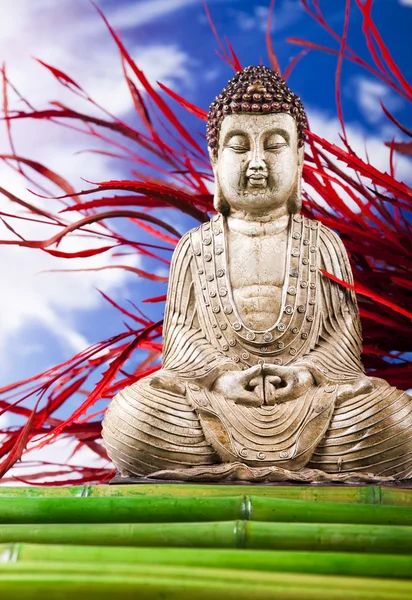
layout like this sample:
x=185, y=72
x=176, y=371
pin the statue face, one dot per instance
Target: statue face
x=258, y=163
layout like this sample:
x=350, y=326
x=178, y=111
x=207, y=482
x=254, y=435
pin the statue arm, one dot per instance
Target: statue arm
x=187, y=352
x=335, y=352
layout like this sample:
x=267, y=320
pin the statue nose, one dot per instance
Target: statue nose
x=257, y=166
x=257, y=162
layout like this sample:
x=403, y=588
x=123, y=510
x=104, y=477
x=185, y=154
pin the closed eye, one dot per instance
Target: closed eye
x=275, y=146
x=238, y=148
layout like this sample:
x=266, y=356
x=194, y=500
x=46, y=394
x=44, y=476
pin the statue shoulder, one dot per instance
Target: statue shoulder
x=325, y=233
x=333, y=254
x=183, y=240
x=192, y=239
x=331, y=240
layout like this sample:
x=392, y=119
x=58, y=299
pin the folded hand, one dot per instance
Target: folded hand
x=242, y=387
x=285, y=383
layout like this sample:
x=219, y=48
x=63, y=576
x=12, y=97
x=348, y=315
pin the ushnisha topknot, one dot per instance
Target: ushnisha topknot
x=254, y=90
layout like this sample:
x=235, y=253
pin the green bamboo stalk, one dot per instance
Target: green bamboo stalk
x=32, y=587
x=182, y=573
x=32, y=491
x=328, y=537
x=358, y=494
x=335, y=563
x=269, y=509
x=162, y=510
x=224, y=534
x=395, y=496
x=348, y=494
x=156, y=583
x=209, y=535
x=121, y=510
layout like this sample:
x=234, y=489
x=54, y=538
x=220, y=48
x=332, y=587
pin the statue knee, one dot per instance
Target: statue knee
x=168, y=382
x=150, y=426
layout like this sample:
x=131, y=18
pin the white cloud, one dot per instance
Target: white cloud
x=71, y=37
x=211, y=74
x=360, y=140
x=283, y=16
x=5, y=420
x=49, y=300
x=369, y=93
x=405, y=3
x=141, y=13
x=85, y=51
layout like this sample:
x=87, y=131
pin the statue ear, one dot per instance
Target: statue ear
x=295, y=199
x=301, y=157
x=219, y=202
x=212, y=157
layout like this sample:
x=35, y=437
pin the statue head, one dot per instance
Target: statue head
x=255, y=133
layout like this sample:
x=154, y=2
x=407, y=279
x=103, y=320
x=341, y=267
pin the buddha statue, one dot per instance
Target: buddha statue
x=261, y=372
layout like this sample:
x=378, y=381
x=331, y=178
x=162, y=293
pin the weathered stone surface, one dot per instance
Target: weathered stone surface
x=262, y=378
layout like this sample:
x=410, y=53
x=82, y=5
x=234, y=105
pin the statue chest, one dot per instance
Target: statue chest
x=256, y=267
x=258, y=260
x=250, y=314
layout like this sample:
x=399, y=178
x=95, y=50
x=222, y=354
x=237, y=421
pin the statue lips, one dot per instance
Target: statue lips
x=257, y=180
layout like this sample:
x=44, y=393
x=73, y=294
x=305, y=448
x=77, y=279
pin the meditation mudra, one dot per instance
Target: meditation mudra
x=261, y=371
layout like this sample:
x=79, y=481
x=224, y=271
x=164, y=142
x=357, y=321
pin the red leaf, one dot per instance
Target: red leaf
x=6, y=111
x=198, y=112
x=65, y=113
x=173, y=197
x=139, y=272
x=401, y=147
x=86, y=221
x=395, y=121
x=107, y=378
x=122, y=310
x=19, y=444
x=80, y=253
x=236, y=62
x=62, y=77
x=360, y=289
x=339, y=68
x=30, y=207
x=156, y=299
x=292, y=64
x=118, y=201
x=231, y=59
x=152, y=93
x=272, y=56
x=406, y=283
x=48, y=173
x=60, y=398
x=365, y=9
x=365, y=169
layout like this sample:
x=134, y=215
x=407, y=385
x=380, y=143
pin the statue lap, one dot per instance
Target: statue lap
x=371, y=433
x=151, y=429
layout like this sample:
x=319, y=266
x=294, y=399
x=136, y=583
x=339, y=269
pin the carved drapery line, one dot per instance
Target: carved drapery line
x=188, y=350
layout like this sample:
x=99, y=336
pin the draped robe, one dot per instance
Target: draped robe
x=149, y=427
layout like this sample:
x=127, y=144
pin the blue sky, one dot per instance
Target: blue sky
x=45, y=318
